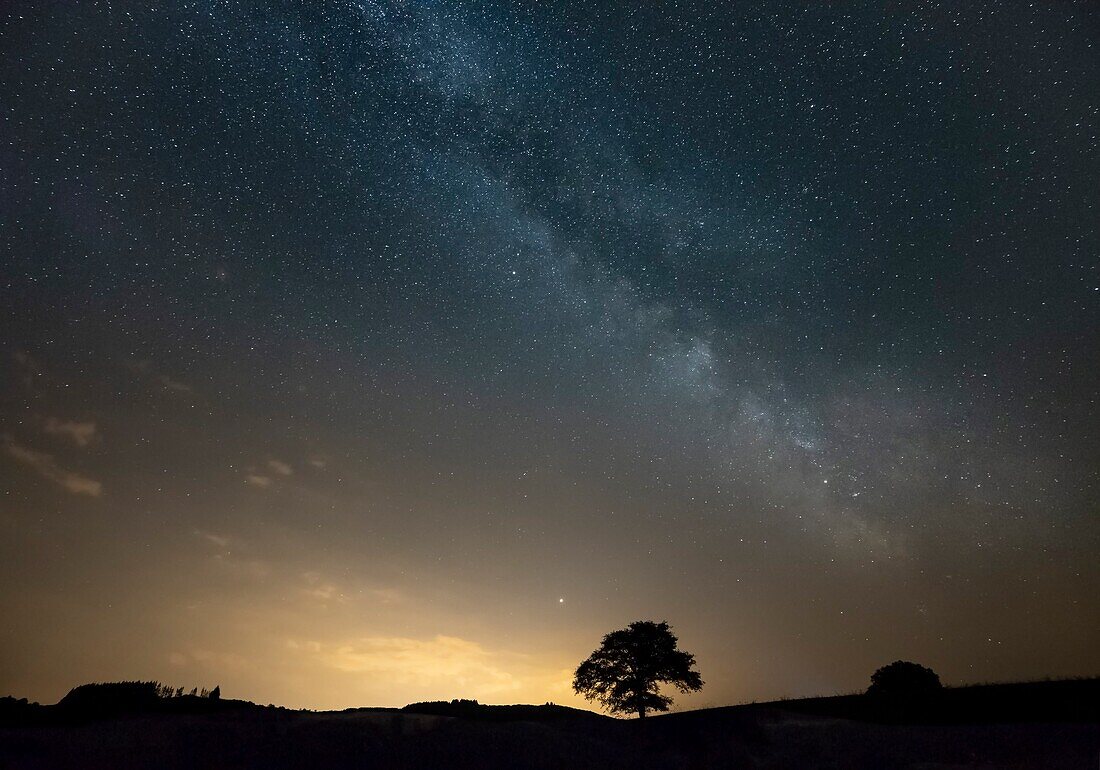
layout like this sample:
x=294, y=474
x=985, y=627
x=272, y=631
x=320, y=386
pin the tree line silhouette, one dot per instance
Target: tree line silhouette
x=115, y=696
x=625, y=675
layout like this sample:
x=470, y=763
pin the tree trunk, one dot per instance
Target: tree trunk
x=641, y=712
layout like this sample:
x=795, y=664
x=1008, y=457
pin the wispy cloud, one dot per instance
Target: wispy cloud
x=45, y=466
x=444, y=660
x=219, y=540
x=80, y=433
x=26, y=367
x=440, y=667
x=214, y=659
x=176, y=385
x=283, y=469
x=307, y=645
x=267, y=474
x=144, y=367
x=235, y=557
x=386, y=595
x=326, y=592
x=322, y=588
x=244, y=567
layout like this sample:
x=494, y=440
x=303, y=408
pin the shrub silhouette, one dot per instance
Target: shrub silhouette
x=116, y=696
x=626, y=672
x=903, y=678
x=471, y=709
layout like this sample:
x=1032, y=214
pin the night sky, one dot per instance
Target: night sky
x=358, y=353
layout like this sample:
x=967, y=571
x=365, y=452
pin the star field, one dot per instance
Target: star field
x=367, y=352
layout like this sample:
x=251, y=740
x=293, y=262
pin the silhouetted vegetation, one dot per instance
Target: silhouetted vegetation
x=109, y=699
x=904, y=679
x=1034, y=724
x=117, y=697
x=1064, y=700
x=18, y=711
x=471, y=709
x=625, y=674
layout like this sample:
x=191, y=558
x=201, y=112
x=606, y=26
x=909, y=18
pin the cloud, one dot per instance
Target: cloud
x=47, y=467
x=81, y=433
x=283, y=469
x=318, y=462
x=326, y=592
x=387, y=595
x=144, y=367
x=27, y=368
x=222, y=661
x=219, y=540
x=244, y=567
x=319, y=588
x=440, y=667
x=236, y=557
x=309, y=646
x=176, y=385
x=267, y=475
x=443, y=661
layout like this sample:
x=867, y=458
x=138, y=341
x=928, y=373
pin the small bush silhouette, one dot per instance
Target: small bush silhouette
x=471, y=709
x=903, y=678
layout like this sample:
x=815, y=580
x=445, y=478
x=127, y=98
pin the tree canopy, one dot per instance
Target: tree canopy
x=902, y=678
x=625, y=674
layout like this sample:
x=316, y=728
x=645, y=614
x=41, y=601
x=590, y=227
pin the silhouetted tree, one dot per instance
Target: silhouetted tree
x=626, y=672
x=902, y=678
x=216, y=693
x=115, y=697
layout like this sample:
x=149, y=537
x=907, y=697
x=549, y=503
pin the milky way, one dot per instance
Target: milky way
x=359, y=353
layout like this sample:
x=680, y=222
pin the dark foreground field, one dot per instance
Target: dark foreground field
x=1041, y=725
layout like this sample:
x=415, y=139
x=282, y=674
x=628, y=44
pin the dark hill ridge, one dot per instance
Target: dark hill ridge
x=471, y=709
x=1062, y=700
x=1036, y=724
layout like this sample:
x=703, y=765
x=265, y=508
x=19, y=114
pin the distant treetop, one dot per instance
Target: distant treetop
x=904, y=678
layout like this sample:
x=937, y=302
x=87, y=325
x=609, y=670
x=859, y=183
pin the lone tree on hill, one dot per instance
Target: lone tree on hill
x=902, y=678
x=626, y=672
